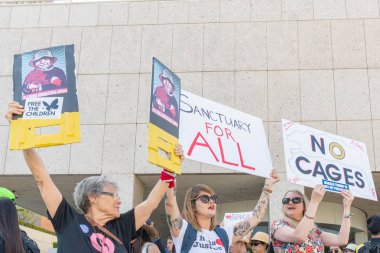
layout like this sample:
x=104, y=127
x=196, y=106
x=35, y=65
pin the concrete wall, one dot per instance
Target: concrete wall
x=315, y=62
x=44, y=241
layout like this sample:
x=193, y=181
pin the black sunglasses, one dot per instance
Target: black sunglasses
x=206, y=199
x=255, y=243
x=295, y=200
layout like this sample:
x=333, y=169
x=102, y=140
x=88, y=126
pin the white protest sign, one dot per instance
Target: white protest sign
x=219, y=135
x=231, y=219
x=316, y=157
x=43, y=108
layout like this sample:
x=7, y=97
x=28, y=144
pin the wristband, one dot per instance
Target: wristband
x=348, y=215
x=309, y=217
x=168, y=177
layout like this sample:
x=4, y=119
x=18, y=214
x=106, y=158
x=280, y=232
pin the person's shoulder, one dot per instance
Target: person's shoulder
x=279, y=222
x=152, y=248
x=360, y=248
x=65, y=204
x=126, y=218
x=63, y=208
x=128, y=214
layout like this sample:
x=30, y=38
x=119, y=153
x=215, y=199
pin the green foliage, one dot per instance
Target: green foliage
x=55, y=245
x=25, y=224
x=26, y=215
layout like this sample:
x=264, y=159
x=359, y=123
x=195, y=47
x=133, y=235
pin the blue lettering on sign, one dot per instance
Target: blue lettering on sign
x=334, y=186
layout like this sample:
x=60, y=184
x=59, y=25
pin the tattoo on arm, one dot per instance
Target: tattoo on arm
x=174, y=224
x=242, y=228
x=258, y=213
x=254, y=213
x=261, y=206
x=177, y=223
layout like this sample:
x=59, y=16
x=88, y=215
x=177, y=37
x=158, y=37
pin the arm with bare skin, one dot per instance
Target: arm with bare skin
x=173, y=215
x=145, y=209
x=49, y=191
x=244, y=227
x=300, y=233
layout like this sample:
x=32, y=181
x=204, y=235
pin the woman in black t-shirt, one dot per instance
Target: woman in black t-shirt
x=10, y=239
x=99, y=226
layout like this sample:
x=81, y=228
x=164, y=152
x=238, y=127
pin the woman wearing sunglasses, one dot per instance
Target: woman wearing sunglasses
x=297, y=231
x=195, y=231
x=99, y=226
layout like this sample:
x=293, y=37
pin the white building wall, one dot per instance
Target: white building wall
x=44, y=241
x=315, y=62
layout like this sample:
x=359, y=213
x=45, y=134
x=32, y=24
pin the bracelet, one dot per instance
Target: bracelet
x=309, y=217
x=348, y=215
x=267, y=189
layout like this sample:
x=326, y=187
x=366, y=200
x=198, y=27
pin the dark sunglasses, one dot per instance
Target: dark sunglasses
x=206, y=199
x=295, y=200
x=255, y=243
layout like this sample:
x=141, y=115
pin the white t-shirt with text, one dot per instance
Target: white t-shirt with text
x=205, y=242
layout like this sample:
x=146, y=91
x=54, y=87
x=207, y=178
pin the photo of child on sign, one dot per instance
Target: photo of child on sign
x=165, y=96
x=164, y=117
x=44, y=84
x=43, y=73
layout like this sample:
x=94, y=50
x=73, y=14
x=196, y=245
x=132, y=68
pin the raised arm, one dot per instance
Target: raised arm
x=173, y=215
x=342, y=238
x=49, y=192
x=244, y=227
x=145, y=209
x=300, y=233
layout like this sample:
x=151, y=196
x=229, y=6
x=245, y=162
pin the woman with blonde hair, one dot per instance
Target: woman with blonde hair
x=297, y=231
x=196, y=230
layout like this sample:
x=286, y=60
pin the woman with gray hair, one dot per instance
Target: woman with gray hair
x=99, y=227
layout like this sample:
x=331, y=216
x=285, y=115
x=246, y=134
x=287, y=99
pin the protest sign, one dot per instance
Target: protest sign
x=164, y=117
x=44, y=83
x=316, y=157
x=231, y=219
x=219, y=135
